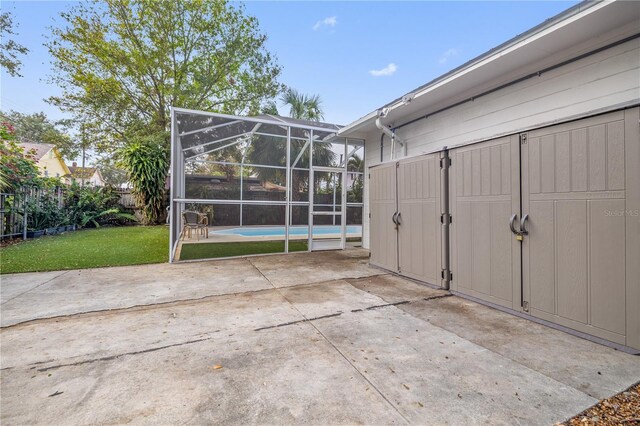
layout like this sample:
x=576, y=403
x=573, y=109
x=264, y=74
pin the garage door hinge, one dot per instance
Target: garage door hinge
x=442, y=162
x=525, y=306
x=523, y=138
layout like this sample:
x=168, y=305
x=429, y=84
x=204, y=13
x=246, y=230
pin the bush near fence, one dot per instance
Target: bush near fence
x=58, y=208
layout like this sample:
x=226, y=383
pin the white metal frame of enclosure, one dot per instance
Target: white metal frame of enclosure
x=178, y=177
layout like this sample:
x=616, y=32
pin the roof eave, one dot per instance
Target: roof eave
x=365, y=123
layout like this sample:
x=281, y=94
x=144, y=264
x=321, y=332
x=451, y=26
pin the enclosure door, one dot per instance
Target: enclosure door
x=327, y=226
x=575, y=183
x=484, y=194
x=383, y=207
x=419, y=228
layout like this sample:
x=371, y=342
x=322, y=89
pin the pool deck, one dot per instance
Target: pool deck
x=214, y=238
x=227, y=238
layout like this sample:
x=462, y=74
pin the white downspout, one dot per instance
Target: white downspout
x=381, y=114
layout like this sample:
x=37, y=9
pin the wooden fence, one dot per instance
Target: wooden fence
x=127, y=199
x=14, y=211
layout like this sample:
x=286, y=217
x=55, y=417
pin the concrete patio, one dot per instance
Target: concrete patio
x=316, y=338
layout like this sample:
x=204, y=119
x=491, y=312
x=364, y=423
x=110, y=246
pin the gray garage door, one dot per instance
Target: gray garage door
x=383, y=204
x=578, y=184
x=419, y=236
x=405, y=208
x=485, y=193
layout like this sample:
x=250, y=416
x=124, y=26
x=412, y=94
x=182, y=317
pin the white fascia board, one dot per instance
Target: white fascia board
x=358, y=124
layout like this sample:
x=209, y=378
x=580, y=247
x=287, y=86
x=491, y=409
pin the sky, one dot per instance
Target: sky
x=356, y=55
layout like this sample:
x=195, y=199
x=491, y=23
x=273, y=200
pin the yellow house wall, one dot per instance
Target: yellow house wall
x=53, y=163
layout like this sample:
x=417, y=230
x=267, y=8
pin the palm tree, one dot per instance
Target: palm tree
x=272, y=151
x=303, y=107
x=309, y=107
x=355, y=164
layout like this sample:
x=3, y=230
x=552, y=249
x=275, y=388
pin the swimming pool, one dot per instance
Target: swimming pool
x=278, y=231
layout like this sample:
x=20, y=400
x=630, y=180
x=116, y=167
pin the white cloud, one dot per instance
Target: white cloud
x=444, y=58
x=386, y=71
x=331, y=21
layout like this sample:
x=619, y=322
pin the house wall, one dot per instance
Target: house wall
x=96, y=179
x=52, y=164
x=604, y=81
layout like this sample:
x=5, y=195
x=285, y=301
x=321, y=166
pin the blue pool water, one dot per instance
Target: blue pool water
x=275, y=231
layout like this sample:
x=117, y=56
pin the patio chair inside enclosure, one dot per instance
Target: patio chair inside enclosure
x=195, y=221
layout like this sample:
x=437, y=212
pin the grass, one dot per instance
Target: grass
x=89, y=248
x=120, y=246
x=208, y=251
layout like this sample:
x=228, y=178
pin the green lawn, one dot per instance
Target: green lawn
x=128, y=245
x=212, y=250
x=119, y=246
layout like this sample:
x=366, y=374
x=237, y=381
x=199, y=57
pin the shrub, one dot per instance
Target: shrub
x=94, y=206
x=147, y=165
x=17, y=168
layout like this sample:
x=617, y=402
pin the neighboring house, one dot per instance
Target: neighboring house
x=538, y=211
x=85, y=175
x=48, y=159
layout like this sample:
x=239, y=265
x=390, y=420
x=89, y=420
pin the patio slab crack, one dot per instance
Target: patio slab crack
x=147, y=306
x=112, y=357
x=33, y=288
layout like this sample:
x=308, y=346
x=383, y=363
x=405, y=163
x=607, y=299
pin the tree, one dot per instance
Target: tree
x=10, y=49
x=356, y=164
x=112, y=173
x=38, y=128
x=123, y=63
x=146, y=163
x=301, y=106
x=309, y=107
x=270, y=107
x=274, y=150
x=17, y=168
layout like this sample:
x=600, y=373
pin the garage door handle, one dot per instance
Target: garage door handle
x=393, y=218
x=523, y=225
x=512, y=222
x=398, y=219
